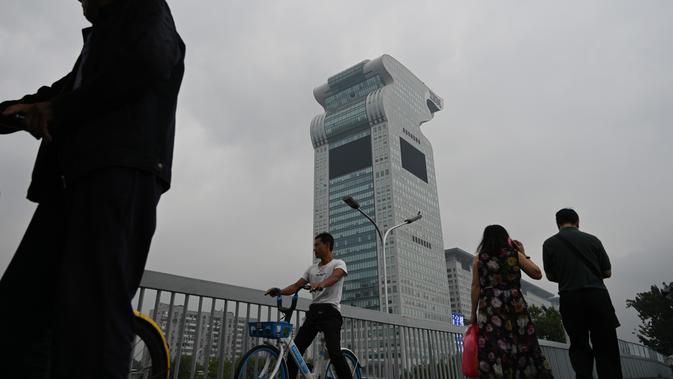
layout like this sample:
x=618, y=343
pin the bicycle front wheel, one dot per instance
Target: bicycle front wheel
x=259, y=362
x=149, y=354
x=351, y=361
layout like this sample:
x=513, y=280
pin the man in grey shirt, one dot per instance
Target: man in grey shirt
x=578, y=262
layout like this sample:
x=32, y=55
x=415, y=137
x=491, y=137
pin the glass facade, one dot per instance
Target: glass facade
x=355, y=237
x=356, y=91
x=346, y=119
x=353, y=74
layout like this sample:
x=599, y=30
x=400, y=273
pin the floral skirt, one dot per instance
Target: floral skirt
x=508, y=346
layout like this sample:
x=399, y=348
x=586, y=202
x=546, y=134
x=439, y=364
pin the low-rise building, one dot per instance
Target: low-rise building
x=209, y=327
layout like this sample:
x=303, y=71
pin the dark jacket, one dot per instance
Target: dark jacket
x=563, y=266
x=122, y=113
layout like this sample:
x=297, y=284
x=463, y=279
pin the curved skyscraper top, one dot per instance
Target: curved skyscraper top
x=369, y=145
x=372, y=86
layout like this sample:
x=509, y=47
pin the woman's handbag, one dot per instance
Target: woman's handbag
x=470, y=360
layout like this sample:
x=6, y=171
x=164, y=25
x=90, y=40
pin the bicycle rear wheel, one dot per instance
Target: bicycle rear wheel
x=149, y=355
x=351, y=361
x=259, y=362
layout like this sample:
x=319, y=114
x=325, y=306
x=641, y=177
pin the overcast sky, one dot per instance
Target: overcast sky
x=547, y=105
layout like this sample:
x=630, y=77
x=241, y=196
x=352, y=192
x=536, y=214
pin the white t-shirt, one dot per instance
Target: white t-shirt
x=316, y=274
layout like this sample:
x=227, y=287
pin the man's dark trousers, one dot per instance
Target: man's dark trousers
x=588, y=314
x=327, y=319
x=72, y=278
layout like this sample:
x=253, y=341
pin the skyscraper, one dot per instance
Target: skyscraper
x=459, y=275
x=369, y=145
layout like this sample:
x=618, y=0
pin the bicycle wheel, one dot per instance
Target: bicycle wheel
x=351, y=360
x=259, y=362
x=149, y=354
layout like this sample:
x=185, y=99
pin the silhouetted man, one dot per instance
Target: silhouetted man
x=107, y=131
x=578, y=262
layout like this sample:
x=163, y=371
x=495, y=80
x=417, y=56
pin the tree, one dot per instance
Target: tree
x=213, y=366
x=185, y=366
x=548, y=324
x=655, y=310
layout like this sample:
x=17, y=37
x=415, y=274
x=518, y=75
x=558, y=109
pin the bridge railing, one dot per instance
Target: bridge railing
x=206, y=327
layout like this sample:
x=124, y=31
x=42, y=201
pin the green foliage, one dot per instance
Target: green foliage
x=422, y=371
x=213, y=365
x=548, y=324
x=185, y=366
x=655, y=309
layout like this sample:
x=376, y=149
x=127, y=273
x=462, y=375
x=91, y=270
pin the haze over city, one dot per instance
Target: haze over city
x=546, y=105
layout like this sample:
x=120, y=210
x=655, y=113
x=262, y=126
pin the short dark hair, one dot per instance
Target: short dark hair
x=327, y=238
x=567, y=216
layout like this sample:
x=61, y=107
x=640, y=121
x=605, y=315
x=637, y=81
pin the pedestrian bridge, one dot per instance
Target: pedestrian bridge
x=206, y=325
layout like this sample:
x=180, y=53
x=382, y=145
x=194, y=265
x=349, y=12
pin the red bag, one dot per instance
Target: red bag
x=470, y=348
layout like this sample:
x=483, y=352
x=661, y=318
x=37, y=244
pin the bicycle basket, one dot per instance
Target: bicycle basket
x=271, y=329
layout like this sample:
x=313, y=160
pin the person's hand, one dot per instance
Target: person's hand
x=519, y=246
x=520, y=249
x=12, y=123
x=274, y=292
x=5, y=126
x=38, y=118
x=317, y=287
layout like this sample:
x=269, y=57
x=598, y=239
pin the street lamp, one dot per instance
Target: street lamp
x=382, y=236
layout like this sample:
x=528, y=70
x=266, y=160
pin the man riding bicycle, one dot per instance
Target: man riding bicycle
x=326, y=279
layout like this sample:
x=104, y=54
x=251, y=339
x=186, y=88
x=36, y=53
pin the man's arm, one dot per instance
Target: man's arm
x=337, y=274
x=6, y=128
x=603, y=260
x=44, y=93
x=36, y=109
x=292, y=288
x=289, y=290
x=548, y=263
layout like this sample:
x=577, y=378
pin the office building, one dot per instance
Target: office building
x=459, y=274
x=369, y=145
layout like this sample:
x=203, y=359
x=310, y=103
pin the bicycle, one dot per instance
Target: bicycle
x=268, y=360
x=150, y=357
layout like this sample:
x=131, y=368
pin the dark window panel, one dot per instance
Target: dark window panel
x=413, y=160
x=350, y=157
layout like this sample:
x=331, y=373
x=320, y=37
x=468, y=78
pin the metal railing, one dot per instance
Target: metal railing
x=206, y=327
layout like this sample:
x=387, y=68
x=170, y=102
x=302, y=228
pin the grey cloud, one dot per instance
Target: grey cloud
x=546, y=105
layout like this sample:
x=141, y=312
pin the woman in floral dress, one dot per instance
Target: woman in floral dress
x=508, y=346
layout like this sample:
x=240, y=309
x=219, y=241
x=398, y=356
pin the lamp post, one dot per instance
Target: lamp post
x=382, y=236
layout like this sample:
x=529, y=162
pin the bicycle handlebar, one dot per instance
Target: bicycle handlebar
x=293, y=306
x=288, y=311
